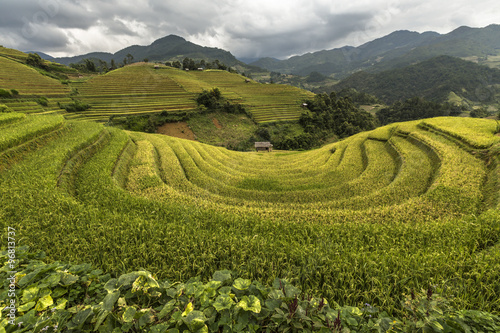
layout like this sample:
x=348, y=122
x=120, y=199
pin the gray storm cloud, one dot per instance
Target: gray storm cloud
x=246, y=28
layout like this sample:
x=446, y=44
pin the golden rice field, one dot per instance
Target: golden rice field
x=141, y=89
x=365, y=219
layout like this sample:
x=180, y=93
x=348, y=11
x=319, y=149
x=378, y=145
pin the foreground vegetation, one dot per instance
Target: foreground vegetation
x=66, y=297
x=364, y=220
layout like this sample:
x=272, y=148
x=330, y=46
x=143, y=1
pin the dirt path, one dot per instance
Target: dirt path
x=179, y=130
x=216, y=123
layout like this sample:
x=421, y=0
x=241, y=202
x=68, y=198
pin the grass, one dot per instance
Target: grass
x=235, y=128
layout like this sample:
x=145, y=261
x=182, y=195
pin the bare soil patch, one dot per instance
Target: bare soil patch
x=179, y=130
x=216, y=123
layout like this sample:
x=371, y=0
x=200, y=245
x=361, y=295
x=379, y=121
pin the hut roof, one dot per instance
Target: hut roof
x=263, y=144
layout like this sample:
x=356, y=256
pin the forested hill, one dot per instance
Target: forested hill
x=433, y=79
x=396, y=50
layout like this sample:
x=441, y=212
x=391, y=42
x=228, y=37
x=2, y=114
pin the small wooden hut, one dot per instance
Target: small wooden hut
x=263, y=146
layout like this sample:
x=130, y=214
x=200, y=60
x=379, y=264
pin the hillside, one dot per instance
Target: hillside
x=167, y=48
x=398, y=49
x=433, y=79
x=31, y=83
x=141, y=89
x=363, y=220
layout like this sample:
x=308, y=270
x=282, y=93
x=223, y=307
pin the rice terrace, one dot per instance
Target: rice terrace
x=391, y=229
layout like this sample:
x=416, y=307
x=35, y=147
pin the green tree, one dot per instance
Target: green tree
x=329, y=114
x=129, y=58
x=35, y=60
x=89, y=65
x=412, y=109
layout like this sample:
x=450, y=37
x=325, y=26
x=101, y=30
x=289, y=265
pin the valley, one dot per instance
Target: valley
x=388, y=228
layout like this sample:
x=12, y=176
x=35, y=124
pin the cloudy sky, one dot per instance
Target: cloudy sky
x=251, y=28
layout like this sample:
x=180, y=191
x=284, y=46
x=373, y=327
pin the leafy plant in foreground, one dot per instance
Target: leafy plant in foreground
x=77, y=298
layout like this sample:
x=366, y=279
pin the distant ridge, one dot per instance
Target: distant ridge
x=433, y=79
x=398, y=49
x=42, y=55
x=166, y=48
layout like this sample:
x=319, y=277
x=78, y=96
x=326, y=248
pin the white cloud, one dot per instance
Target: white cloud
x=246, y=28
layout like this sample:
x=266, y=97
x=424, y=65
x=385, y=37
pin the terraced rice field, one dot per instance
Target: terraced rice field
x=366, y=219
x=141, y=89
x=30, y=84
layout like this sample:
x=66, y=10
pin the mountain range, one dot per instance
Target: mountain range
x=169, y=48
x=439, y=79
x=398, y=49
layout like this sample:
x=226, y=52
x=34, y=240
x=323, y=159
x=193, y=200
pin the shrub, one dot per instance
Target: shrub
x=43, y=101
x=479, y=113
x=76, y=106
x=14, y=92
x=4, y=108
x=4, y=93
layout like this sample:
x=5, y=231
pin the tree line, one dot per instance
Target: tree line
x=95, y=65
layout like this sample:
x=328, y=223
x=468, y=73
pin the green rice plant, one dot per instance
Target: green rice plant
x=164, y=222
x=7, y=118
x=476, y=132
x=28, y=129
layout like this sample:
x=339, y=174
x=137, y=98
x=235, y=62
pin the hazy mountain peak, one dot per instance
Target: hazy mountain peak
x=168, y=39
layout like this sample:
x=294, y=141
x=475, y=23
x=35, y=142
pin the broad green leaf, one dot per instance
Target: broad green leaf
x=272, y=304
x=242, y=320
x=159, y=328
x=213, y=285
x=146, y=318
x=102, y=316
x=188, y=309
x=250, y=303
x=51, y=281
x=223, y=302
x=129, y=314
x=225, y=290
x=222, y=276
x=80, y=318
x=354, y=310
x=43, y=303
x=242, y=284
x=26, y=307
x=126, y=280
x=30, y=294
x=121, y=302
x=140, y=284
x=195, y=289
x=166, y=309
x=77, y=269
x=58, y=292
x=195, y=321
x=111, y=285
x=436, y=325
x=27, y=278
x=68, y=279
x=110, y=300
x=61, y=304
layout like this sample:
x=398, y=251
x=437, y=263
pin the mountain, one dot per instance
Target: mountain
x=433, y=79
x=171, y=47
x=398, y=49
x=42, y=55
x=348, y=58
